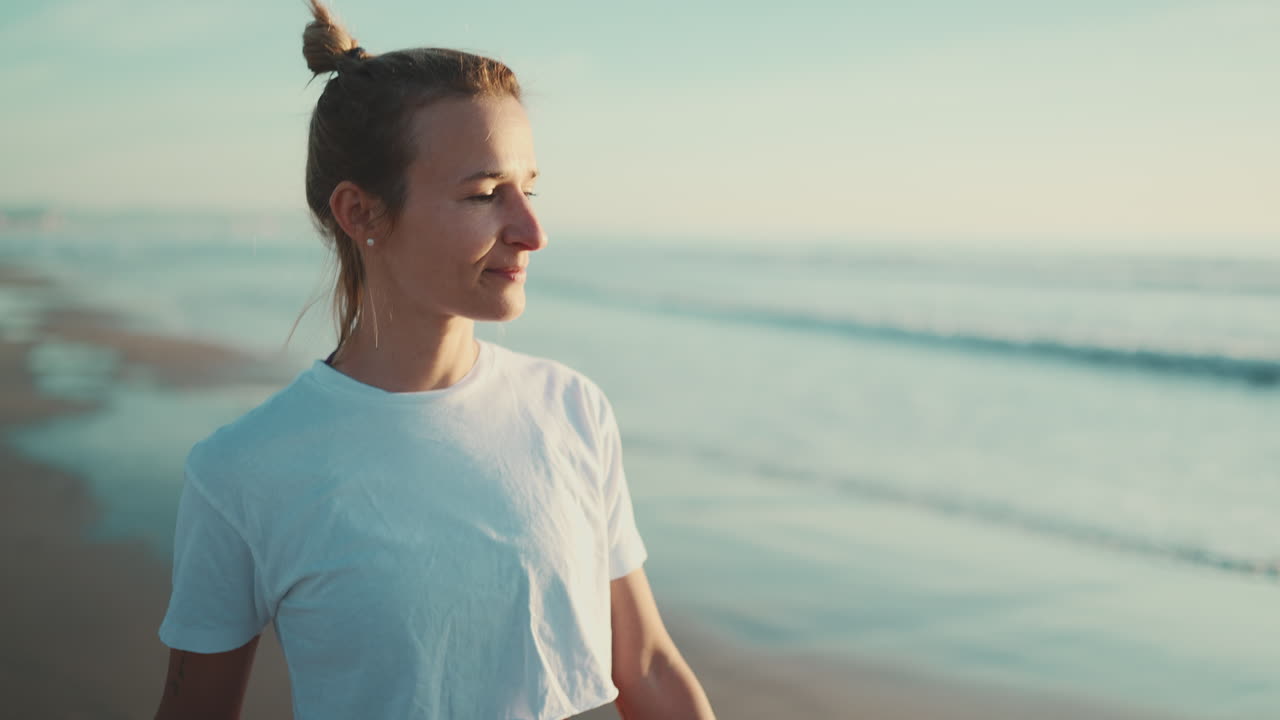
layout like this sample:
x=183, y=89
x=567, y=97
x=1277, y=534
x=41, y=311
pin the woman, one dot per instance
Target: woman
x=439, y=527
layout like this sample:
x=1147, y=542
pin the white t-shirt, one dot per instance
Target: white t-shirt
x=440, y=554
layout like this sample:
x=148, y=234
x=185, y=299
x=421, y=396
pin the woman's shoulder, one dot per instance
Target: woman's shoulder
x=557, y=393
x=537, y=369
x=282, y=422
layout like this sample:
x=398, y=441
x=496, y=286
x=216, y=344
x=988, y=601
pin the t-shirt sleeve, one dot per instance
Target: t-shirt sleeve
x=217, y=603
x=626, y=549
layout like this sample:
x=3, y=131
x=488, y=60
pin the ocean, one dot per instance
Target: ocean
x=1055, y=471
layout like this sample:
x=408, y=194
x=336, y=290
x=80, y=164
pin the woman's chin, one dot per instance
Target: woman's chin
x=506, y=308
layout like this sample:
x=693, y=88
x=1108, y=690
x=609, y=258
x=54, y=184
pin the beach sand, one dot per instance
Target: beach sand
x=81, y=616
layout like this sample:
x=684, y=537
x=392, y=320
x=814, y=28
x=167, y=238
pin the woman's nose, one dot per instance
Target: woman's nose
x=523, y=227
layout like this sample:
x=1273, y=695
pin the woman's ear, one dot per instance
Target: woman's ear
x=359, y=213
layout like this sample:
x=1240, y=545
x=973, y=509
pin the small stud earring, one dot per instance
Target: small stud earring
x=369, y=242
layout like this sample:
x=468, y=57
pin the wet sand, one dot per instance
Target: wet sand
x=81, y=616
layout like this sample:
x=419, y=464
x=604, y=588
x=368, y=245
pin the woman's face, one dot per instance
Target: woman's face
x=462, y=242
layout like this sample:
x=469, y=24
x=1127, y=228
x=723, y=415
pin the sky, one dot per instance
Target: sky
x=1136, y=121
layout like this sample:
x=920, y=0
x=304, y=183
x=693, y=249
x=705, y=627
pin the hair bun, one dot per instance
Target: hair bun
x=325, y=43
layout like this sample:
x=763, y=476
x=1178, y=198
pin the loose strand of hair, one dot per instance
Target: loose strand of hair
x=331, y=269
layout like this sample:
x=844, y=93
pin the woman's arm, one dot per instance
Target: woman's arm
x=207, y=686
x=653, y=680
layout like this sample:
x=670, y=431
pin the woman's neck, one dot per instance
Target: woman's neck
x=430, y=358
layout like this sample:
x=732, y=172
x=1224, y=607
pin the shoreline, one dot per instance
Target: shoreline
x=81, y=627
x=81, y=634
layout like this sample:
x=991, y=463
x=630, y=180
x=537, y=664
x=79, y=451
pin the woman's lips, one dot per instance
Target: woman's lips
x=514, y=274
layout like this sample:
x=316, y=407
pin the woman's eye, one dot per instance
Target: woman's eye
x=490, y=197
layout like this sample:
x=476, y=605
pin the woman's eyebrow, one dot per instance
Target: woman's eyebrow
x=497, y=175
